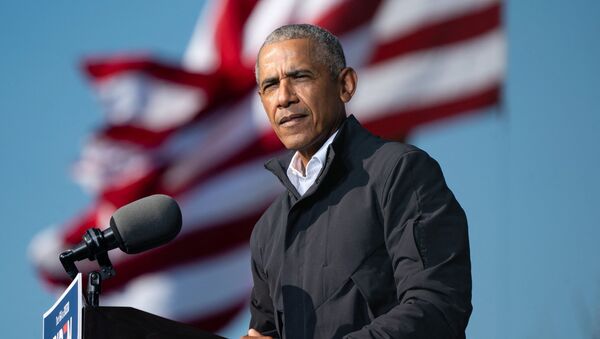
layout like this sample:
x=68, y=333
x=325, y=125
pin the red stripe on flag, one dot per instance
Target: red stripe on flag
x=229, y=29
x=348, y=16
x=136, y=135
x=443, y=33
x=401, y=123
x=103, y=68
x=229, y=40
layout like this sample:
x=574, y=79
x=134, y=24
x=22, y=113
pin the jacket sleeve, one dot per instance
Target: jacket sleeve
x=262, y=317
x=427, y=240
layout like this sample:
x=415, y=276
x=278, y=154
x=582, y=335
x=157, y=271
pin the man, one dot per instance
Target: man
x=367, y=241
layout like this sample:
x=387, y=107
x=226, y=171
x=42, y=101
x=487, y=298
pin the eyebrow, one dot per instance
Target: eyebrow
x=292, y=73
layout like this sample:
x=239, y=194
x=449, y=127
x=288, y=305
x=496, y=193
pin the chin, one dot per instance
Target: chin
x=292, y=146
x=294, y=143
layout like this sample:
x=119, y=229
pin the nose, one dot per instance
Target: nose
x=286, y=94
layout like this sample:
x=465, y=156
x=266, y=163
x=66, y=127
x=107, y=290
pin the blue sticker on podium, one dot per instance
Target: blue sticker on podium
x=63, y=319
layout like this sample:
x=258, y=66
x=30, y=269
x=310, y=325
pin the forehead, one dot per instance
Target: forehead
x=287, y=54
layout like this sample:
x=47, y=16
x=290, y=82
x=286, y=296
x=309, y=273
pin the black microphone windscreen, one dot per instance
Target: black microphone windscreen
x=146, y=223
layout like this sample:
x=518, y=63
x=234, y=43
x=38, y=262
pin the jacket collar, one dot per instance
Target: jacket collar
x=350, y=134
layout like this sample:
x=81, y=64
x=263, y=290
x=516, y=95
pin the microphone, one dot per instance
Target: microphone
x=136, y=227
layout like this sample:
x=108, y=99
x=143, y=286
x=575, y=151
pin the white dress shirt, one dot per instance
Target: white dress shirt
x=303, y=178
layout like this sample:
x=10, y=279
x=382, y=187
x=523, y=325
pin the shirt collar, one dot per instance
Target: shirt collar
x=318, y=159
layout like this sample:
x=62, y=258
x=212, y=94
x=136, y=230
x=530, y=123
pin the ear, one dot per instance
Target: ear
x=348, y=80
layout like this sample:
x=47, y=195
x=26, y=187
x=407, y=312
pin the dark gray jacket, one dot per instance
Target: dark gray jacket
x=376, y=248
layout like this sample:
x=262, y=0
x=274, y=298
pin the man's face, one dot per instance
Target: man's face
x=301, y=98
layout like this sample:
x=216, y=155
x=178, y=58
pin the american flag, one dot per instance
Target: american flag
x=195, y=130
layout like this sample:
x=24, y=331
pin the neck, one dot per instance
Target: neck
x=305, y=157
x=306, y=154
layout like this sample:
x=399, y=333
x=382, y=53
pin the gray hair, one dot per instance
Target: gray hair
x=329, y=50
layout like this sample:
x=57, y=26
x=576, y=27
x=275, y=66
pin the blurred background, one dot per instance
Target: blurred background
x=524, y=167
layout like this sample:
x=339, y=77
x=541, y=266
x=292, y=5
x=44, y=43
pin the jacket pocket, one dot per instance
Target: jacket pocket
x=375, y=281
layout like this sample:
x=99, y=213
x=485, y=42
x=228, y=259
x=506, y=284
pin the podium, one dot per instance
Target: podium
x=130, y=323
x=71, y=318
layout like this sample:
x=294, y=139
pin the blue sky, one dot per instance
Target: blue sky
x=527, y=174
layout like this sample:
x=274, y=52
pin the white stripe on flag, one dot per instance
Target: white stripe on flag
x=429, y=77
x=201, y=54
x=396, y=18
x=263, y=20
x=313, y=10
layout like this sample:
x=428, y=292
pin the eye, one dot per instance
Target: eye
x=301, y=76
x=268, y=87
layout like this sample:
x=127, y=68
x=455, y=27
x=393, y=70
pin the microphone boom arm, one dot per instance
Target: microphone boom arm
x=96, y=246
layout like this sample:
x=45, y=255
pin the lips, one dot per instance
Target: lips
x=291, y=118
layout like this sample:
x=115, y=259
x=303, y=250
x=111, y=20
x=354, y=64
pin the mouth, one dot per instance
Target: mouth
x=291, y=118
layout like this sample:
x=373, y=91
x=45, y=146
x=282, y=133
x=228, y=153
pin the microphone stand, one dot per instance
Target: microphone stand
x=95, y=278
x=98, y=251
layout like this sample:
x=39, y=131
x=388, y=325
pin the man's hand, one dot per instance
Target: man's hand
x=252, y=333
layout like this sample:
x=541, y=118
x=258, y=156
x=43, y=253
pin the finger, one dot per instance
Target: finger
x=254, y=333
